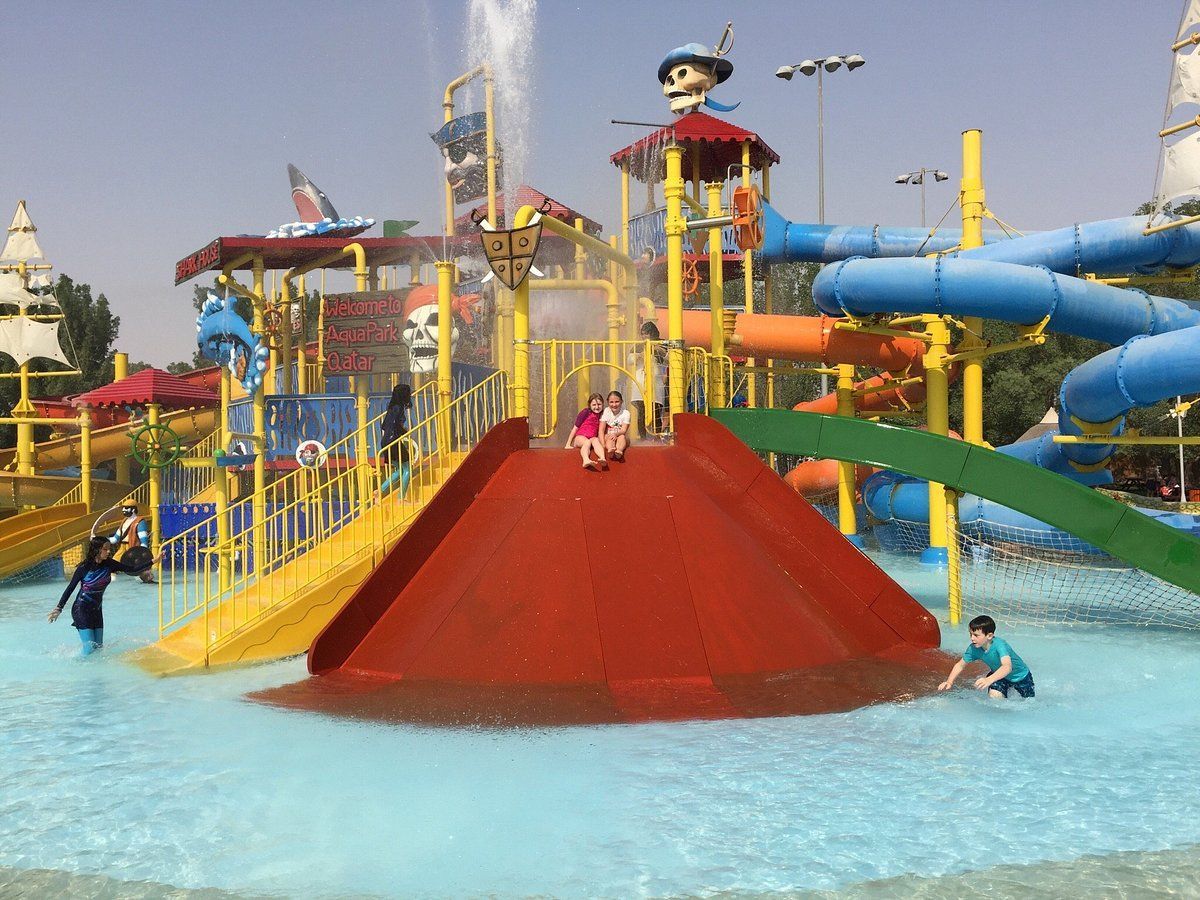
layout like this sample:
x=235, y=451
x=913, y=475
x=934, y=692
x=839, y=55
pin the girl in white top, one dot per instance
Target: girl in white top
x=614, y=427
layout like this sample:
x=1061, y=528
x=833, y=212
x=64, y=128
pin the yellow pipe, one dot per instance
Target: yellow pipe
x=25, y=451
x=224, y=555
x=768, y=298
x=445, y=293
x=625, y=207
x=285, y=333
x=85, y=457
x=362, y=451
x=748, y=280
x=583, y=380
x=716, y=292
x=259, y=410
x=521, y=341
x=937, y=409
x=973, y=207
x=612, y=308
x=152, y=411
x=676, y=227
x=953, y=559
x=121, y=370
x=302, y=349
x=847, y=520
x=448, y=114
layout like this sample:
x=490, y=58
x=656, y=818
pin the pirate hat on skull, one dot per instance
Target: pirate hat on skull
x=695, y=53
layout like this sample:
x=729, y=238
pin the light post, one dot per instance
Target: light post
x=810, y=67
x=918, y=177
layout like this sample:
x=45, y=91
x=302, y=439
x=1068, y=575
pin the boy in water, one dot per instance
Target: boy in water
x=1007, y=670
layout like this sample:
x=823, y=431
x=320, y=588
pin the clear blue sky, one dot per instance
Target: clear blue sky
x=139, y=131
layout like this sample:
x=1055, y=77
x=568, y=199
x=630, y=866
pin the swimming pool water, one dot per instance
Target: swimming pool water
x=106, y=771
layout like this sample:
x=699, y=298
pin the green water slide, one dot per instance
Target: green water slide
x=1091, y=516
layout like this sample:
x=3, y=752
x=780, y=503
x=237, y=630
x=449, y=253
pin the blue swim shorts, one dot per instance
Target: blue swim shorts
x=1024, y=687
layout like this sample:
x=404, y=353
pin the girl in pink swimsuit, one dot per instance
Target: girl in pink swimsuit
x=586, y=434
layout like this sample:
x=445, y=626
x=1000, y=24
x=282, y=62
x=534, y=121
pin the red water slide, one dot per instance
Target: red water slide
x=688, y=582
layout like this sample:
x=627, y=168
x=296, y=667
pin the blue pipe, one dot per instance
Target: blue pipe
x=1023, y=280
x=785, y=241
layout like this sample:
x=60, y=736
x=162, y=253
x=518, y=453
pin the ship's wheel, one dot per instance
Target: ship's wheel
x=155, y=446
x=691, y=278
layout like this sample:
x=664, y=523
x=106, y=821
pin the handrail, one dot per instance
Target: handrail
x=317, y=520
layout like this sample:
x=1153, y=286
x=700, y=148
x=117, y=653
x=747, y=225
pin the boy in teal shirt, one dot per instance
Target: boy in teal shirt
x=1008, y=671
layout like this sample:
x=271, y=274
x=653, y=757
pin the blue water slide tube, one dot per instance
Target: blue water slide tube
x=785, y=241
x=1024, y=280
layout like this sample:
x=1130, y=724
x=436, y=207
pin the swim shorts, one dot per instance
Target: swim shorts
x=1024, y=687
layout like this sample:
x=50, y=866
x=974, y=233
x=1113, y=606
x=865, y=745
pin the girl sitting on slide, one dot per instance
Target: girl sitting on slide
x=586, y=434
x=614, y=427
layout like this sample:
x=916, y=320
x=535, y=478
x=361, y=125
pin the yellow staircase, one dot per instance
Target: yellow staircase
x=319, y=534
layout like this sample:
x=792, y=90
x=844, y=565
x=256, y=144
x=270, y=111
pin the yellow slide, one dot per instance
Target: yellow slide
x=27, y=538
x=30, y=537
x=254, y=625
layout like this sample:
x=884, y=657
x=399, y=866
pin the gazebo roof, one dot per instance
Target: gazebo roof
x=145, y=387
x=529, y=196
x=717, y=143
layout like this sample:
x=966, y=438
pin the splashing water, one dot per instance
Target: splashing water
x=501, y=32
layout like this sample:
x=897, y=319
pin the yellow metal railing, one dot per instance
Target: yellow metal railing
x=555, y=363
x=318, y=520
x=185, y=483
x=74, y=495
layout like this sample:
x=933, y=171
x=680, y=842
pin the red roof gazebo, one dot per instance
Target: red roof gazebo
x=146, y=387
x=717, y=144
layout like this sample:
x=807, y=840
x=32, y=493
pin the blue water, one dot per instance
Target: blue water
x=106, y=771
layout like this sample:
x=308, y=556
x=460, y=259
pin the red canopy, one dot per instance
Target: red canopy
x=718, y=145
x=149, y=386
x=529, y=196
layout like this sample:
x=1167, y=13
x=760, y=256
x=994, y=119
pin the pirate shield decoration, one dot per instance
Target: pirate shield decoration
x=510, y=253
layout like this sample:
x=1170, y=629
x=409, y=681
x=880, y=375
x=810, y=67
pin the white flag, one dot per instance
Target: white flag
x=1185, y=80
x=1181, y=169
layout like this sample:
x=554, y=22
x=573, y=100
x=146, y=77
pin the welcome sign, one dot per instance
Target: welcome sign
x=362, y=333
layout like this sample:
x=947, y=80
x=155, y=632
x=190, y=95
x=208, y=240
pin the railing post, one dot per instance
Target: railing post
x=847, y=518
x=85, y=456
x=152, y=411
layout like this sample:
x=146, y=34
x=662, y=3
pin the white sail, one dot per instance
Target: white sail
x=1181, y=169
x=12, y=291
x=1185, y=81
x=22, y=245
x=1191, y=18
x=24, y=339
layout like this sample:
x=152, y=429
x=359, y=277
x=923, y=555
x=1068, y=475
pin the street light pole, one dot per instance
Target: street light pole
x=817, y=67
x=918, y=177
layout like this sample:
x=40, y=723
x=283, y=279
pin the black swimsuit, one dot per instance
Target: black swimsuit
x=92, y=578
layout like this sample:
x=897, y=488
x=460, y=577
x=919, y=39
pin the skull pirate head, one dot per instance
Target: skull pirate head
x=421, y=326
x=689, y=72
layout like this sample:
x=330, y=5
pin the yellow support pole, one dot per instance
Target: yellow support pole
x=612, y=307
x=673, y=189
x=847, y=518
x=625, y=207
x=973, y=206
x=521, y=344
x=259, y=427
x=224, y=533
x=953, y=560
x=362, y=449
x=748, y=278
x=937, y=409
x=583, y=378
x=123, y=471
x=768, y=300
x=152, y=413
x=85, y=456
x=716, y=295
x=285, y=335
x=445, y=375
x=25, y=454
x=302, y=347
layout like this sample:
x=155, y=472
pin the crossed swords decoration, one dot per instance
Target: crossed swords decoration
x=510, y=253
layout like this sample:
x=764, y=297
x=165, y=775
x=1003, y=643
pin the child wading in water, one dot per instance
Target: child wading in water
x=614, y=427
x=1007, y=670
x=586, y=434
x=92, y=577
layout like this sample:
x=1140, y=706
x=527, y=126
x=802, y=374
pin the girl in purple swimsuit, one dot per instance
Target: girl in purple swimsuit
x=92, y=577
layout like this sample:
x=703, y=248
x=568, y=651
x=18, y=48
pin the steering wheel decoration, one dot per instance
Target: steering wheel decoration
x=748, y=218
x=155, y=446
x=273, y=327
x=691, y=278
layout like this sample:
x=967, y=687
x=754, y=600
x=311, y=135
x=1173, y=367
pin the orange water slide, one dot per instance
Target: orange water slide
x=814, y=339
